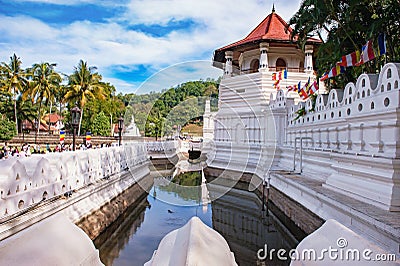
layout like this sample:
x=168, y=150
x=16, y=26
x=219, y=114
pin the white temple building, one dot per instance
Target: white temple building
x=266, y=50
x=349, y=142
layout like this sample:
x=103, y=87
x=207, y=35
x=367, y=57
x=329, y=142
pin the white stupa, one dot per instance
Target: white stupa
x=132, y=130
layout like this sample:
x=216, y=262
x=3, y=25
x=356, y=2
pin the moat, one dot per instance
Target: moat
x=238, y=216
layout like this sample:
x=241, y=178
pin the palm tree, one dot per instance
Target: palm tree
x=44, y=83
x=84, y=84
x=25, y=110
x=13, y=81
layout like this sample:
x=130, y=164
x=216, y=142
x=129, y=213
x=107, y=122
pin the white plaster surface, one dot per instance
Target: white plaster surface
x=353, y=146
x=343, y=247
x=193, y=244
x=54, y=241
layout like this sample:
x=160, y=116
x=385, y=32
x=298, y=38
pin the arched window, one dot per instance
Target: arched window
x=280, y=64
x=254, y=65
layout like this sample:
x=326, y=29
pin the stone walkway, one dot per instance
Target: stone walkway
x=385, y=221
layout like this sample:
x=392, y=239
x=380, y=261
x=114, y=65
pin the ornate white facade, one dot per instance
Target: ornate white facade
x=26, y=182
x=351, y=142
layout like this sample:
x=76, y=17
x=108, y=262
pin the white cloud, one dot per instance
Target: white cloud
x=179, y=73
x=110, y=43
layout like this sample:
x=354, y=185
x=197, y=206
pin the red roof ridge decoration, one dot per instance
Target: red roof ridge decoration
x=272, y=28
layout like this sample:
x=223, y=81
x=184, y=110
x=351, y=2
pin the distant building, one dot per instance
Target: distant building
x=132, y=130
x=56, y=123
x=208, y=122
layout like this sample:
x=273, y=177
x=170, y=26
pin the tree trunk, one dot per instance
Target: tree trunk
x=51, y=106
x=40, y=107
x=59, y=123
x=80, y=122
x=15, y=110
x=111, y=126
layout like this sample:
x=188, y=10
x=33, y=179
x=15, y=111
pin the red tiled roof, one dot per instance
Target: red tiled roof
x=272, y=28
x=53, y=118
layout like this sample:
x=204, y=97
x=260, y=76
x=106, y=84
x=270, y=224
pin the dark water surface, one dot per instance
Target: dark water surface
x=237, y=216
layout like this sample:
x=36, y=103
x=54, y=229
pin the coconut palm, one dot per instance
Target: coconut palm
x=25, y=110
x=13, y=81
x=44, y=83
x=84, y=84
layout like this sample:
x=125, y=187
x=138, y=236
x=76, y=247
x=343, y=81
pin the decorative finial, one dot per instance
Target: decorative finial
x=273, y=8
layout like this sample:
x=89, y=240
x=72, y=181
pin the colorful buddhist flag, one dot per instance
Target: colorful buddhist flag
x=367, y=53
x=324, y=76
x=313, y=88
x=303, y=90
x=88, y=136
x=335, y=71
x=276, y=84
x=62, y=136
x=292, y=87
x=280, y=75
x=350, y=59
x=381, y=44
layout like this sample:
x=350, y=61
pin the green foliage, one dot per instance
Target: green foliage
x=186, y=185
x=28, y=94
x=156, y=114
x=347, y=26
x=100, y=125
x=7, y=129
x=301, y=112
x=188, y=179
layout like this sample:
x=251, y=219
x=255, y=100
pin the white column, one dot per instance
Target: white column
x=263, y=57
x=228, y=63
x=308, y=65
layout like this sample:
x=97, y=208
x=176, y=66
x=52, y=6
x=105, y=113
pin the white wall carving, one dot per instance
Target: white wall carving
x=354, y=133
x=27, y=181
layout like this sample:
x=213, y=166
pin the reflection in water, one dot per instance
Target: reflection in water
x=236, y=215
x=115, y=238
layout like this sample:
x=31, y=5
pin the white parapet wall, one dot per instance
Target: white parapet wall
x=25, y=182
x=351, y=135
x=358, y=128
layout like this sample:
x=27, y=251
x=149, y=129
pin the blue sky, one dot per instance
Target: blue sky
x=130, y=41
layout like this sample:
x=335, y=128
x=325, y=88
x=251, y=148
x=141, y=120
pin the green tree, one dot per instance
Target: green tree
x=13, y=81
x=347, y=25
x=7, y=129
x=84, y=84
x=44, y=82
x=26, y=110
x=101, y=125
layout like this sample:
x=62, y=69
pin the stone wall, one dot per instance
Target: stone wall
x=26, y=182
x=298, y=215
x=355, y=131
x=351, y=138
x=97, y=221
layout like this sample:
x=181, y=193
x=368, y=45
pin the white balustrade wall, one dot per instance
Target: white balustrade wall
x=355, y=132
x=353, y=135
x=25, y=182
x=360, y=119
x=161, y=146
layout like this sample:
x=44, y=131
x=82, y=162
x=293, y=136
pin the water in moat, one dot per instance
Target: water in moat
x=238, y=216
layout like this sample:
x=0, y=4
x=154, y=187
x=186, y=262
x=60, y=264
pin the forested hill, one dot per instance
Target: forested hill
x=156, y=113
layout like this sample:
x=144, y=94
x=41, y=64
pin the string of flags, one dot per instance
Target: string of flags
x=278, y=76
x=358, y=58
x=308, y=89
